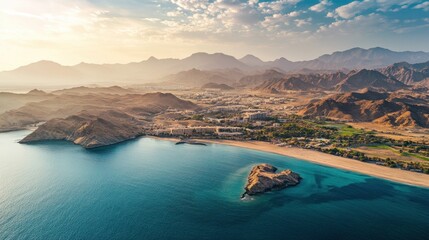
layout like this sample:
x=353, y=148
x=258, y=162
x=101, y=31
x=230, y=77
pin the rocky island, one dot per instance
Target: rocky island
x=263, y=178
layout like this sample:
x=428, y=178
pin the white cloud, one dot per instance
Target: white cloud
x=354, y=8
x=176, y=13
x=302, y=22
x=231, y=15
x=330, y=15
x=276, y=6
x=393, y=5
x=320, y=6
x=357, y=7
x=357, y=25
x=293, y=14
x=424, y=6
x=276, y=21
x=402, y=30
x=191, y=5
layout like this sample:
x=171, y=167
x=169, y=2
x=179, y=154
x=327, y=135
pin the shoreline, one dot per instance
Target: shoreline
x=392, y=174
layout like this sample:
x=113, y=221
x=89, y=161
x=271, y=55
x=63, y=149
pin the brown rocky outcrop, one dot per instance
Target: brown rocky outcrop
x=263, y=178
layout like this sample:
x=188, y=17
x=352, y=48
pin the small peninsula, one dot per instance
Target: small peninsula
x=263, y=178
x=88, y=130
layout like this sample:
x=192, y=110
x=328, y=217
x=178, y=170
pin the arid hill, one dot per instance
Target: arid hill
x=358, y=80
x=423, y=84
x=392, y=109
x=288, y=83
x=251, y=60
x=258, y=79
x=300, y=82
x=89, y=130
x=407, y=73
x=324, y=80
x=62, y=106
x=197, y=78
x=99, y=90
x=9, y=101
x=92, y=120
x=273, y=80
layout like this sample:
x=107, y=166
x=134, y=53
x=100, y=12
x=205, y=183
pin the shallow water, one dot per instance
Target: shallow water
x=152, y=189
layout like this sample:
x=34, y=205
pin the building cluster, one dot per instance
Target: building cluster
x=200, y=131
x=255, y=116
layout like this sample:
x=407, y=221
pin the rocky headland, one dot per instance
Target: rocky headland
x=92, y=120
x=87, y=130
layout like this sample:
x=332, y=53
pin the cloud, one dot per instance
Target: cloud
x=394, y=5
x=191, y=5
x=358, y=25
x=330, y=15
x=294, y=14
x=302, y=22
x=357, y=7
x=275, y=6
x=320, y=7
x=222, y=16
x=424, y=6
x=354, y=8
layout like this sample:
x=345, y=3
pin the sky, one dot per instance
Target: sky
x=108, y=31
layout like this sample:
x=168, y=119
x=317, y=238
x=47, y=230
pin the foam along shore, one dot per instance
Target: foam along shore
x=393, y=174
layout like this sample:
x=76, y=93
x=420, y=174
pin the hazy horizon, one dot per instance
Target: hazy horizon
x=97, y=31
x=180, y=58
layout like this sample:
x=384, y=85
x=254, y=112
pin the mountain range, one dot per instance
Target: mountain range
x=407, y=73
x=391, y=78
x=156, y=70
x=392, y=109
x=364, y=78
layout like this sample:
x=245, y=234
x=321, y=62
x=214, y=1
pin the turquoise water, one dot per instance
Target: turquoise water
x=151, y=189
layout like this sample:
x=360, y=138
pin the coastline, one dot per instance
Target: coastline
x=393, y=174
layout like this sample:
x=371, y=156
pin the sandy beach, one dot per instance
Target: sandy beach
x=393, y=174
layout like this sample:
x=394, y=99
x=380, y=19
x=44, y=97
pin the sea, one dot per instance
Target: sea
x=153, y=189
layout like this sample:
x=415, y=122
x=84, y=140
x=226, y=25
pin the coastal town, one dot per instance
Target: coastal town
x=231, y=116
x=234, y=115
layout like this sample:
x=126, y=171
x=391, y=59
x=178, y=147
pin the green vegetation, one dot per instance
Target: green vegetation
x=402, y=152
x=299, y=129
x=415, y=155
x=341, y=140
x=381, y=147
x=343, y=129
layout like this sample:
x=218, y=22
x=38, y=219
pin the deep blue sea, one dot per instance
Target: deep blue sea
x=152, y=189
